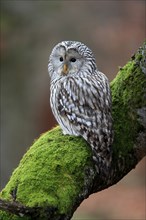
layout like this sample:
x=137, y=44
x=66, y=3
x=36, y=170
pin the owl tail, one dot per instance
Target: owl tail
x=102, y=161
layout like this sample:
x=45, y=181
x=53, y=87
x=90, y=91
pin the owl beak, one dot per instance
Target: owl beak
x=65, y=69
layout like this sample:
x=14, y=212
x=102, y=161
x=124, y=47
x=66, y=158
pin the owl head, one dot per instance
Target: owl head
x=70, y=58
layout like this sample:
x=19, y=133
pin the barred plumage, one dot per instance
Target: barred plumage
x=81, y=100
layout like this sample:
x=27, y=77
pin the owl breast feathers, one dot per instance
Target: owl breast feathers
x=80, y=99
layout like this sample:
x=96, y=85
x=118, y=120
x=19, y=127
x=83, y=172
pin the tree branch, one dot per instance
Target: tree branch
x=57, y=172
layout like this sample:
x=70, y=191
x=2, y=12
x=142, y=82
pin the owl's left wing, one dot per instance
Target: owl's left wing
x=86, y=103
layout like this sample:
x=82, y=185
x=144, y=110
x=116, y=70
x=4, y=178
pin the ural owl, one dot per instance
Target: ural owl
x=81, y=100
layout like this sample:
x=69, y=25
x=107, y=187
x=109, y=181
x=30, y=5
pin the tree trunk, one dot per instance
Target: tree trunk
x=57, y=172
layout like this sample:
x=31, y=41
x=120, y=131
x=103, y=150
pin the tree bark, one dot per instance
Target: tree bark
x=57, y=173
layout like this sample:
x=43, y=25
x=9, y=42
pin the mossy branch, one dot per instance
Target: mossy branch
x=57, y=172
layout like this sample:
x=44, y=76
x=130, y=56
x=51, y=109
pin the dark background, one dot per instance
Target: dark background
x=29, y=30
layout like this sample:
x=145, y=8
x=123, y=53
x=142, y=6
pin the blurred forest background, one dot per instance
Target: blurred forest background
x=29, y=30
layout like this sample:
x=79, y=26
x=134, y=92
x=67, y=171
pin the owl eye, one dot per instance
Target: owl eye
x=61, y=59
x=73, y=59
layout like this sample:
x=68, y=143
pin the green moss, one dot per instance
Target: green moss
x=128, y=95
x=49, y=173
x=6, y=216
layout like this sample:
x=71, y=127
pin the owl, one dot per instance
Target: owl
x=80, y=99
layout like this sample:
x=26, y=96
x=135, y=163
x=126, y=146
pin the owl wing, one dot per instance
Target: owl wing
x=85, y=103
